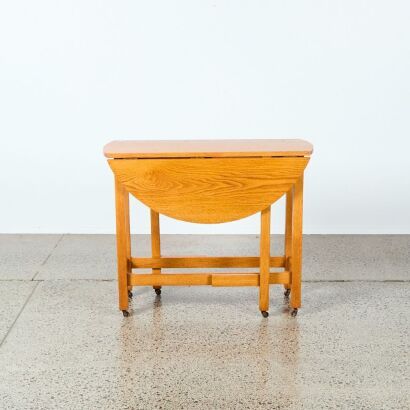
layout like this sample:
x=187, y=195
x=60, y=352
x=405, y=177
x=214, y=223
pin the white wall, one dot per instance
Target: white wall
x=76, y=74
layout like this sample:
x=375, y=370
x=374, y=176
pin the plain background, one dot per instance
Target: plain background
x=76, y=74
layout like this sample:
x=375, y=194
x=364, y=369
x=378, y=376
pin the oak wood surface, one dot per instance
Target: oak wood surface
x=208, y=148
x=217, y=279
x=288, y=230
x=211, y=182
x=235, y=280
x=212, y=190
x=264, y=260
x=296, y=258
x=127, y=232
x=123, y=242
x=155, y=240
x=205, y=262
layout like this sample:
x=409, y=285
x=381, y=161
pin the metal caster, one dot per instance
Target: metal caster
x=125, y=313
x=130, y=294
x=294, y=312
x=158, y=291
x=265, y=313
x=287, y=293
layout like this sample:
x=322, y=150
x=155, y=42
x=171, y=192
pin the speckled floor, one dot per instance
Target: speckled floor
x=63, y=344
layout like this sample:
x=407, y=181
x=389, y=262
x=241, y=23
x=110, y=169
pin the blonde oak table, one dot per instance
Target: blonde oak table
x=211, y=181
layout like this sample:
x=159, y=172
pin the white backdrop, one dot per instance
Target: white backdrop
x=76, y=74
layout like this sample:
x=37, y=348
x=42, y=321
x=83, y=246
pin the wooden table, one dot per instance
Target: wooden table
x=211, y=181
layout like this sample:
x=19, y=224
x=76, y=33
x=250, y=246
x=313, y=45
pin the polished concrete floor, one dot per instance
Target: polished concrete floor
x=63, y=343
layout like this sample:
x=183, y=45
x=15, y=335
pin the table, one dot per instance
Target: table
x=211, y=181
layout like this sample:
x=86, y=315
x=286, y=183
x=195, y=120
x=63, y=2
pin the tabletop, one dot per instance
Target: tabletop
x=231, y=148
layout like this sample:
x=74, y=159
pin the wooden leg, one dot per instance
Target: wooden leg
x=296, y=261
x=123, y=243
x=288, y=235
x=155, y=244
x=128, y=236
x=264, y=262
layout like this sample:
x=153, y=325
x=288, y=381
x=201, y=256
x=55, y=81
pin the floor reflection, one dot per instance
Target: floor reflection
x=278, y=359
x=163, y=344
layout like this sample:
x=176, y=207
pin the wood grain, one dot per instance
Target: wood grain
x=288, y=230
x=205, y=262
x=235, y=280
x=198, y=279
x=296, y=258
x=207, y=181
x=170, y=279
x=208, y=148
x=123, y=242
x=155, y=241
x=264, y=260
x=212, y=190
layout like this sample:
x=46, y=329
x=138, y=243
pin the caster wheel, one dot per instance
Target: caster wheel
x=130, y=294
x=294, y=312
x=125, y=313
x=158, y=291
x=264, y=313
x=287, y=293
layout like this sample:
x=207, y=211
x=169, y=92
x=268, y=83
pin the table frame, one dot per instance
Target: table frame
x=291, y=261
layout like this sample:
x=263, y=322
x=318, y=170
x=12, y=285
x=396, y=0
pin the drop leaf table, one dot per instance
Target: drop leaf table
x=211, y=181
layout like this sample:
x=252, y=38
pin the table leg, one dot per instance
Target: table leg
x=296, y=260
x=288, y=236
x=128, y=238
x=264, y=262
x=155, y=244
x=123, y=244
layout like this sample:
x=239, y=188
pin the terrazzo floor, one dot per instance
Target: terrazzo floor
x=64, y=344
